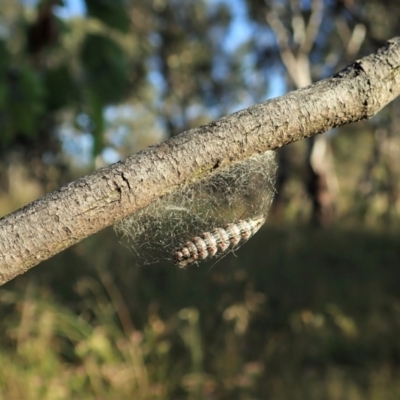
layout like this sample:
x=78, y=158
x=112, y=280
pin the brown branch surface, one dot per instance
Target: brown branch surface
x=49, y=225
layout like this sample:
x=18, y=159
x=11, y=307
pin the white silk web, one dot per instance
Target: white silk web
x=242, y=191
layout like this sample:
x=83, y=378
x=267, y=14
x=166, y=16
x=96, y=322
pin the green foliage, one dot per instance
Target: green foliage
x=22, y=103
x=61, y=88
x=57, y=66
x=4, y=57
x=106, y=68
x=111, y=12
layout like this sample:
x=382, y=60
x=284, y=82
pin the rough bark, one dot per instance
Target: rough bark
x=51, y=224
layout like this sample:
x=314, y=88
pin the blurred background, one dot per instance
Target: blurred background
x=308, y=309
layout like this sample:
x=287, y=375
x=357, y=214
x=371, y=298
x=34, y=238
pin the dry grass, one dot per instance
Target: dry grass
x=299, y=314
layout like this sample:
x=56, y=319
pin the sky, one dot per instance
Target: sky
x=71, y=8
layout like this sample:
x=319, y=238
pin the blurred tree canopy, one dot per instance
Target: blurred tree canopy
x=158, y=56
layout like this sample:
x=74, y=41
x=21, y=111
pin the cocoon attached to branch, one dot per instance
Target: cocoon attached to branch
x=207, y=218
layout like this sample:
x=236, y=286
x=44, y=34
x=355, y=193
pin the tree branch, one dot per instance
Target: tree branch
x=51, y=224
